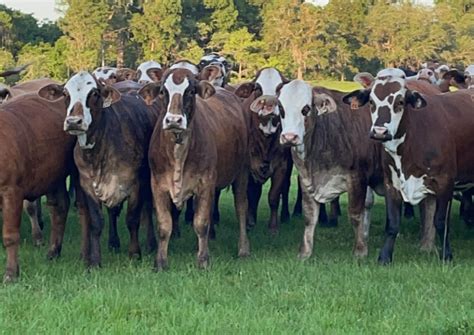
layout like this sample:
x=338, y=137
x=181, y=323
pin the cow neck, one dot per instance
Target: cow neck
x=92, y=143
x=261, y=145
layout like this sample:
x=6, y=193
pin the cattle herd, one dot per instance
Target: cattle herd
x=164, y=139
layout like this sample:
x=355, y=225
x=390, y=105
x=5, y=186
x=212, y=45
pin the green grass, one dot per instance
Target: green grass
x=271, y=292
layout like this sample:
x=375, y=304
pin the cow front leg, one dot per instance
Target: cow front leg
x=163, y=207
x=276, y=188
x=11, y=206
x=146, y=220
x=202, y=219
x=298, y=209
x=311, y=215
x=254, y=192
x=393, y=204
x=58, y=203
x=239, y=188
x=285, y=192
x=428, y=231
x=95, y=231
x=356, y=207
x=441, y=222
x=32, y=209
x=114, y=239
x=84, y=221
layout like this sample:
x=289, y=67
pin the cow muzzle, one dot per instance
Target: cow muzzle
x=290, y=139
x=175, y=123
x=75, y=125
x=380, y=134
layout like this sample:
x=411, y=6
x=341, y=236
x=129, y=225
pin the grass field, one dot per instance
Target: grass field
x=269, y=293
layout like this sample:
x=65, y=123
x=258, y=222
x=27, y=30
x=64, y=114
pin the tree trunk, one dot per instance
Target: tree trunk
x=300, y=73
x=120, y=50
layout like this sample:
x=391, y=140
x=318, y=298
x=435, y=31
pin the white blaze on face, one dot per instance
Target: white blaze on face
x=385, y=77
x=175, y=92
x=185, y=65
x=78, y=88
x=104, y=73
x=144, y=67
x=294, y=96
x=269, y=79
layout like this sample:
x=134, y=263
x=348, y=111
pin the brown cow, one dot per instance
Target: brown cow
x=198, y=145
x=113, y=132
x=427, y=142
x=36, y=158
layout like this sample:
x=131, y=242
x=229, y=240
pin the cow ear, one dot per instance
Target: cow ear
x=245, y=90
x=323, y=103
x=365, y=79
x=155, y=74
x=357, y=98
x=149, y=92
x=415, y=99
x=109, y=95
x=51, y=92
x=205, y=89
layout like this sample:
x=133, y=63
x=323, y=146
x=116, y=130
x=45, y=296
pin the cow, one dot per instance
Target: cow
x=113, y=132
x=333, y=155
x=36, y=158
x=200, y=144
x=33, y=209
x=148, y=72
x=215, y=69
x=185, y=64
x=427, y=149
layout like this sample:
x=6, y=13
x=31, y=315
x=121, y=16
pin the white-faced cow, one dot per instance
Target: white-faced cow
x=333, y=155
x=113, y=132
x=148, y=72
x=200, y=144
x=185, y=64
x=427, y=142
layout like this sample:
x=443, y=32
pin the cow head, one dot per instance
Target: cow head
x=84, y=98
x=185, y=64
x=126, y=74
x=299, y=102
x=178, y=91
x=263, y=91
x=106, y=75
x=428, y=75
x=219, y=61
x=388, y=99
x=213, y=73
x=5, y=93
x=149, y=72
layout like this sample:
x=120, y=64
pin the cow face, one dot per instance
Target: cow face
x=84, y=98
x=298, y=102
x=179, y=89
x=428, y=75
x=265, y=104
x=213, y=73
x=149, y=72
x=106, y=75
x=216, y=60
x=388, y=99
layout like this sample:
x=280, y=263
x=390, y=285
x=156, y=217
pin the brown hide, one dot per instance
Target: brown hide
x=423, y=87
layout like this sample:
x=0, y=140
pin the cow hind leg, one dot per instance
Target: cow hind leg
x=11, y=207
x=239, y=188
x=134, y=209
x=216, y=215
x=428, y=232
x=32, y=209
x=114, y=239
x=254, y=192
x=441, y=222
x=408, y=211
x=58, y=203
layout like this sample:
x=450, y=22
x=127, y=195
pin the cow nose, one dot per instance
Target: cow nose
x=380, y=130
x=74, y=121
x=174, y=119
x=289, y=138
x=143, y=82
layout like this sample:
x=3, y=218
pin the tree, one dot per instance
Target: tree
x=157, y=30
x=6, y=61
x=84, y=24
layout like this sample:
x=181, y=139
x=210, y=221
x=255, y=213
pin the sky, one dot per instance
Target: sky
x=44, y=9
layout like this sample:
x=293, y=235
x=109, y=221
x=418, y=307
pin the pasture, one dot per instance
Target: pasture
x=270, y=292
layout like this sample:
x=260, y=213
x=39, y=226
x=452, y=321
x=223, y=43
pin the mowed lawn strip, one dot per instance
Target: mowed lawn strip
x=270, y=292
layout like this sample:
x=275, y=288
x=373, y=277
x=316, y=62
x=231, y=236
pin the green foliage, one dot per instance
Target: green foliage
x=6, y=61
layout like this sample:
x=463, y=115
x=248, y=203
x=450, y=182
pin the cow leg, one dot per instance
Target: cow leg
x=114, y=239
x=216, y=215
x=85, y=222
x=334, y=213
x=466, y=209
x=278, y=180
x=58, y=203
x=408, y=211
x=298, y=209
x=393, y=204
x=202, y=217
x=285, y=192
x=441, y=222
x=428, y=232
x=134, y=209
x=94, y=230
x=369, y=203
x=254, y=192
x=11, y=206
x=189, y=213
x=311, y=215
x=31, y=208
x=146, y=220
x=356, y=207
x=163, y=207
x=239, y=188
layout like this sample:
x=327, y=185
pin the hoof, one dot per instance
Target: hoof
x=54, y=253
x=135, y=255
x=361, y=252
x=384, y=259
x=448, y=257
x=244, y=253
x=38, y=239
x=160, y=265
x=302, y=256
x=203, y=262
x=11, y=275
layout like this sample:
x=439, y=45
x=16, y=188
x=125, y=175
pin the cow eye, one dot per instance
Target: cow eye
x=306, y=109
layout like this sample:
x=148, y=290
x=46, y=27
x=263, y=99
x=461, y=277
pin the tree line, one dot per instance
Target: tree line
x=302, y=40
